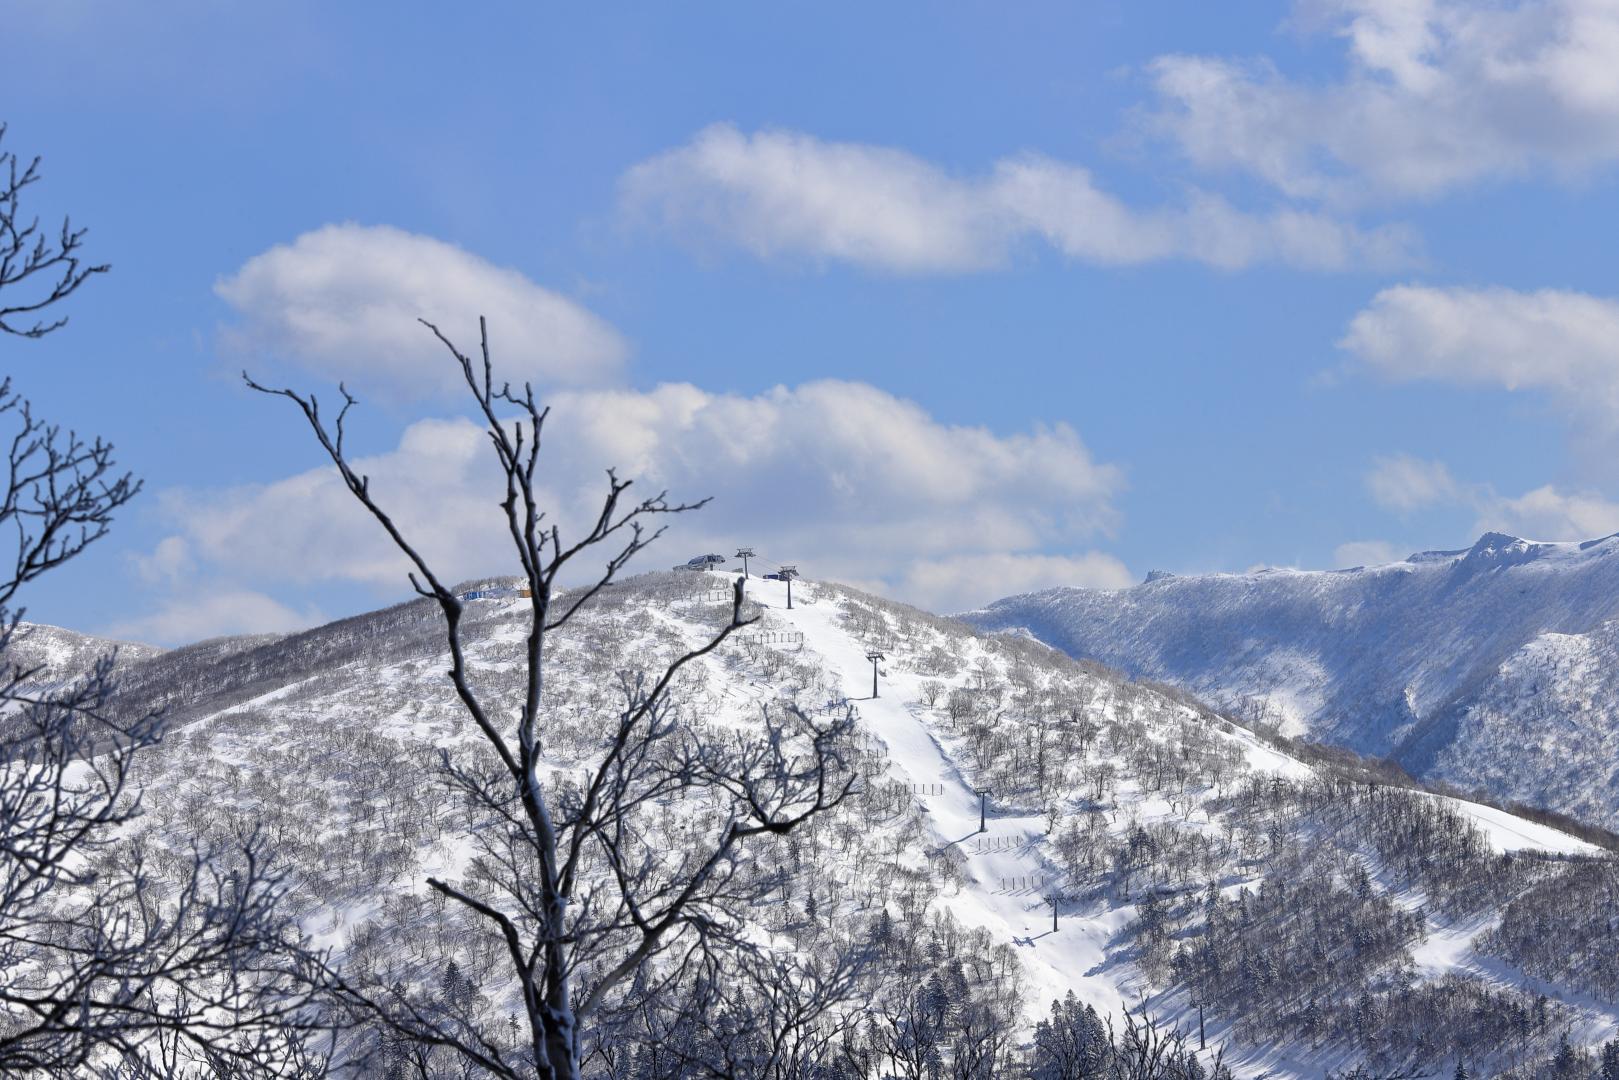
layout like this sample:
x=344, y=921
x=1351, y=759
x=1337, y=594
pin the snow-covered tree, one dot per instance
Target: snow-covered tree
x=579, y=900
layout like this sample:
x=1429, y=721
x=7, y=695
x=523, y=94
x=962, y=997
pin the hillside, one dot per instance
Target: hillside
x=59, y=655
x=1323, y=920
x=1489, y=667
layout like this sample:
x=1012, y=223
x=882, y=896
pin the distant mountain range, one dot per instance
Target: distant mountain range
x=1491, y=667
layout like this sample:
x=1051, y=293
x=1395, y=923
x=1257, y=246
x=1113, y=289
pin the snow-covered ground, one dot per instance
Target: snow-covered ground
x=276, y=728
x=1008, y=887
x=1010, y=877
x=1489, y=667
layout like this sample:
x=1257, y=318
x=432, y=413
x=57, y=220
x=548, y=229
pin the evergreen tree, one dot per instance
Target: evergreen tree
x=1610, y=1061
x=453, y=987
x=1311, y=1020
x=1567, y=1059
x=1461, y=1071
x=882, y=931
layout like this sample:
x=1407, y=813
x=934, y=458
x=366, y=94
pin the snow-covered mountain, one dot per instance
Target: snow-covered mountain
x=1491, y=667
x=56, y=655
x=1322, y=919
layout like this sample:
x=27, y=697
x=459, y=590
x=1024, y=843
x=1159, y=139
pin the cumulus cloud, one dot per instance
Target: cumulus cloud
x=844, y=479
x=963, y=582
x=1547, y=513
x=343, y=300
x=215, y=612
x=1437, y=93
x=1405, y=483
x=783, y=193
x=307, y=528
x=1564, y=343
x=1367, y=553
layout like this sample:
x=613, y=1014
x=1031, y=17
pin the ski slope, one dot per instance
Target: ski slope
x=1008, y=890
x=1009, y=878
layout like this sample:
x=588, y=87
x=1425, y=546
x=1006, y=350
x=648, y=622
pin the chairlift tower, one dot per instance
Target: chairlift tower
x=874, y=656
x=983, y=795
x=1054, y=898
x=787, y=575
x=745, y=554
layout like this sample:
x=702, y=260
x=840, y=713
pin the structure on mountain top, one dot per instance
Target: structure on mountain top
x=499, y=592
x=701, y=562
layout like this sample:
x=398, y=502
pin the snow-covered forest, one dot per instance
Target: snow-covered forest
x=1325, y=915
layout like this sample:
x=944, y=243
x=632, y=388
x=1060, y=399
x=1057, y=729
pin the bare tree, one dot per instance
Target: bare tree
x=37, y=269
x=99, y=955
x=1145, y=1051
x=581, y=899
x=101, y=959
x=757, y=1015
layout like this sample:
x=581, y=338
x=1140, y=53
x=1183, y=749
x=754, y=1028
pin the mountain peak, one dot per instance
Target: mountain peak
x=1497, y=549
x=1492, y=542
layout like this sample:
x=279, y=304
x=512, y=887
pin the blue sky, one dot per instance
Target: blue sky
x=948, y=300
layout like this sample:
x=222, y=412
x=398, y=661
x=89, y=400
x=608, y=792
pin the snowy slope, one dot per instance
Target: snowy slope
x=325, y=741
x=1486, y=667
x=1541, y=730
x=1011, y=870
x=59, y=655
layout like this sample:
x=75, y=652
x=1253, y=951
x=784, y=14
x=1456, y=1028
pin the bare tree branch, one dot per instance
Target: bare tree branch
x=575, y=887
x=37, y=270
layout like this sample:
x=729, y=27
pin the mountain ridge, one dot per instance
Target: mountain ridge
x=1149, y=818
x=1392, y=660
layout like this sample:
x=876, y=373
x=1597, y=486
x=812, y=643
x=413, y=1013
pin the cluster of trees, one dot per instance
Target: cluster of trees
x=1292, y=907
x=1076, y=1043
x=1565, y=928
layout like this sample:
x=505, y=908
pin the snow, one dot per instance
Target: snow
x=1006, y=871
x=1070, y=958
x=1008, y=875
x=1489, y=667
x=1507, y=832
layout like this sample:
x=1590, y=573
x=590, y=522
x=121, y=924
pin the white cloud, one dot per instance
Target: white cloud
x=848, y=481
x=1565, y=343
x=1060, y=203
x=1437, y=93
x=307, y=528
x=168, y=562
x=1366, y=553
x=214, y=612
x=784, y=193
x=1403, y=483
x=964, y=582
x=1406, y=483
x=345, y=298
x=1549, y=514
